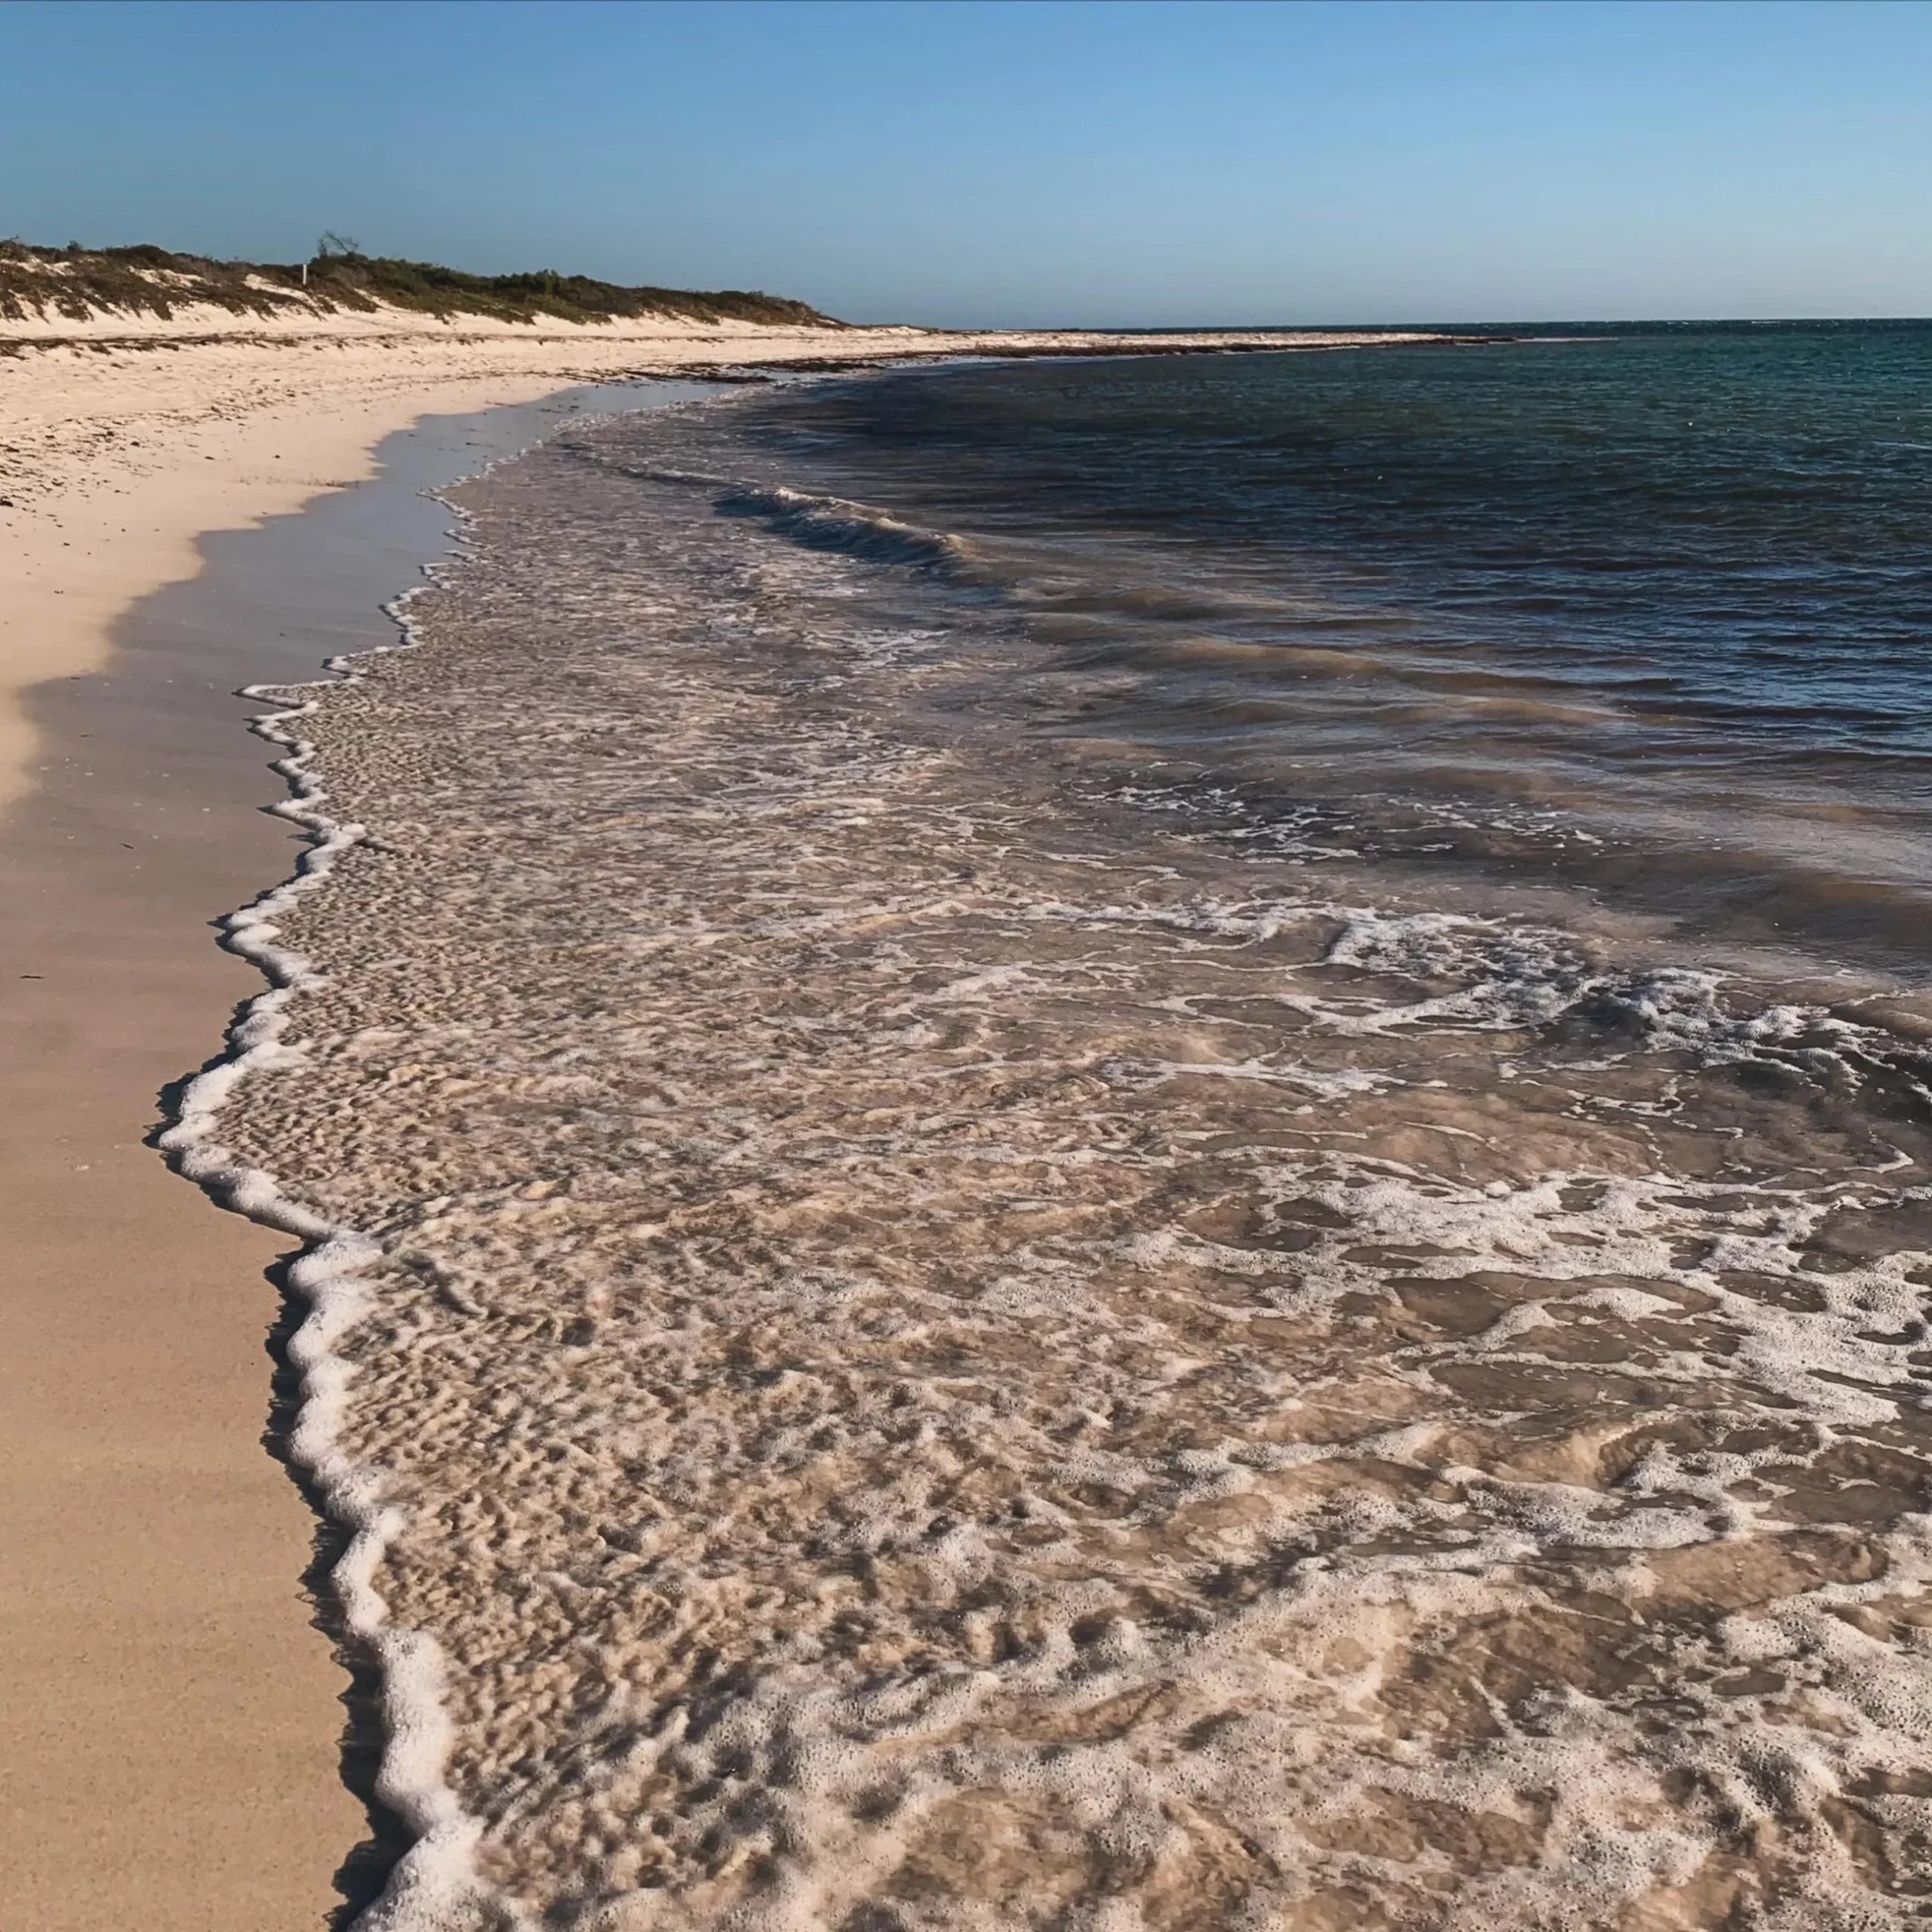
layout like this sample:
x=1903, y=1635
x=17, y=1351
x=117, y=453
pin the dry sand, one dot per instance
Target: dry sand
x=171, y=1748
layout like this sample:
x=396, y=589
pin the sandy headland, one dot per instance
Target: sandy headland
x=172, y=1747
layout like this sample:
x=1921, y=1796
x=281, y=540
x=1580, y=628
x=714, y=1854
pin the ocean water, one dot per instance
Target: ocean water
x=1137, y=1145
x=1670, y=587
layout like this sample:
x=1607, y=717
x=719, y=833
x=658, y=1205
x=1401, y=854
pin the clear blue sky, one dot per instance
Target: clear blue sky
x=1014, y=162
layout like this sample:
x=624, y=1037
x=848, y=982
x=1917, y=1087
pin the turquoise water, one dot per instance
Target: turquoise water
x=1650, y=607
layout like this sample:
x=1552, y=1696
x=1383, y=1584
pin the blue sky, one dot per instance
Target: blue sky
x=1013, y=163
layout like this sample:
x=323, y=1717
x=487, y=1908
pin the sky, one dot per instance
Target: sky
x=1103, y=162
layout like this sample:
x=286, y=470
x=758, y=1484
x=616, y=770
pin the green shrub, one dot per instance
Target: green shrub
x=144, y=279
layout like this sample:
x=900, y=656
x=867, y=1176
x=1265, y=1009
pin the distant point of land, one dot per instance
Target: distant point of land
x=144, y=279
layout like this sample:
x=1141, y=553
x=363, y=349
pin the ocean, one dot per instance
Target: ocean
x=1665, y=588
x=1137, y=1144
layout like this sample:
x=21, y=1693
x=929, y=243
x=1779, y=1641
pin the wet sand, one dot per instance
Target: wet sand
x=171, y=1748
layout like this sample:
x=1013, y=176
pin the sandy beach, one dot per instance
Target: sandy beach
x=964, y=969
x=962, y=1253
x=172, y=1751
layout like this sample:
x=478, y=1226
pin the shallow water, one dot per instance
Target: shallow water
x=945, y=1315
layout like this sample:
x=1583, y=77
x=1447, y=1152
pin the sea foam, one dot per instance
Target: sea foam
x=908, y=1345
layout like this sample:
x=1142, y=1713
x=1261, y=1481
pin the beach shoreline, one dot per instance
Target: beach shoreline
x=1577, y=1139
x=123, y=438
x=170, y=1690
x=173, y=1745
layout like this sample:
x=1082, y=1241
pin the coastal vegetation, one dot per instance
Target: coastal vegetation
x=144, y=279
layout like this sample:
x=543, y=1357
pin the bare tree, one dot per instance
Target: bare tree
x=333, y=244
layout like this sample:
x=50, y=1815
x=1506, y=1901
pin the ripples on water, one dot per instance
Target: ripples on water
x=1672, y=588
x=1019, y=1268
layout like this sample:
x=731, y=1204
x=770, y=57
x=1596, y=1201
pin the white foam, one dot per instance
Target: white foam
x=435, y=1887
x=946, y=1369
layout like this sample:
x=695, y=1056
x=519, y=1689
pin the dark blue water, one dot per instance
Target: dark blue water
x=1649, y=606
